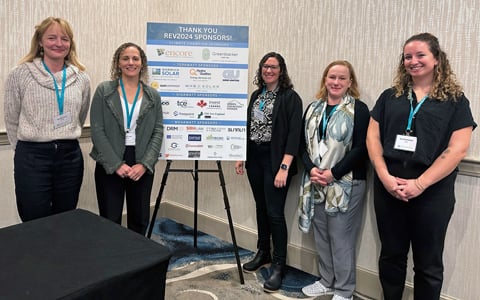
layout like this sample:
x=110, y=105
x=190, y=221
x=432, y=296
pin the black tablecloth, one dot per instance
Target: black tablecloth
x=79, y=255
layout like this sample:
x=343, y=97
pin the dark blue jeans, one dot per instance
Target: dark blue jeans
x=269, y=203
x=422, y=223
x=48, y=177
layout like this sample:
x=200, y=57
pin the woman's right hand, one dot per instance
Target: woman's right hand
x=395, y=186
x=239, y=167
x=123, y=171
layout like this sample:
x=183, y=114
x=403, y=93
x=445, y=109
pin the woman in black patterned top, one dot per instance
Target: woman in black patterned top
x=274, y=126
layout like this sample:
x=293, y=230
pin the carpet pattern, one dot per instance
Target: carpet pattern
x=209, y=272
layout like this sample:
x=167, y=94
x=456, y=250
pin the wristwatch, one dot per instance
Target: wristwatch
x=283, y=167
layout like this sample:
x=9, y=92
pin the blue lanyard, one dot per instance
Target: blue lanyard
x=413, y=112
x=129, y=112
x=261, y=104
x=60, y=96
x=325, y=119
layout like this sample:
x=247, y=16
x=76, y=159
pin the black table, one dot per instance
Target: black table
x=79, y=255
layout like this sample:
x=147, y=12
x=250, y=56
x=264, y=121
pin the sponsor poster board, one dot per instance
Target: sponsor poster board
x=201, y=73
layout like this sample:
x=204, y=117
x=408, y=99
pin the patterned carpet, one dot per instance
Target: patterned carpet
x=209, y=272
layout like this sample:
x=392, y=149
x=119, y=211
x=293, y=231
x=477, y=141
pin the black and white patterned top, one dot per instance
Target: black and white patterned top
x=261, y=117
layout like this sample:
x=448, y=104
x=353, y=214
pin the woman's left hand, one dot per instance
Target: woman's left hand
x=281, y=179
x=136, y=172
x=409, y=189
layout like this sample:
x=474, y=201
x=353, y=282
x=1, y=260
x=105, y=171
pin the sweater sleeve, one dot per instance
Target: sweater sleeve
x=12, y=106
x=85, y=100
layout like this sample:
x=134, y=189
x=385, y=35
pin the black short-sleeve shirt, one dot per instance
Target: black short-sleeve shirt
x=433, y=125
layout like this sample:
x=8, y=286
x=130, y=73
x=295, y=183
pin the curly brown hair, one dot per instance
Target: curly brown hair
x=445, y=84
x=116, y=73
x=284, y=81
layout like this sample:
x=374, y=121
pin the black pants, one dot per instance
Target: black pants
x=48, y=177
x=421, y=222
x=112, y=191
x=269, y=203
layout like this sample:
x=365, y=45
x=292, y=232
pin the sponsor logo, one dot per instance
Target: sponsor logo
x=206, y=54
x=230, y=129
x=202, y=103
x=215, y=129
x=171, y=128
x=175, y=53
x=183, y=104
x=231, y=75
x=234, y=105
x=174, y=137
x=199, y=72
x=194, y=137
x=172, y=155
x=183, y=114
x=169, y=72
x=224, y=54
x=194, y=128
x=193, y=154
x=215, y=104
x=214, y=155
x=214, y=138
x=235, y=138
x=235, y=147
x=174, y=147
x=215, y=146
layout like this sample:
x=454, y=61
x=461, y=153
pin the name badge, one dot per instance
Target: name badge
x=130, y=138
x=405, y=143
x=62, y=120
x=258, y=114
x=323, y=148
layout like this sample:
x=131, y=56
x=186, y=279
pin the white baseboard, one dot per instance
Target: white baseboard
x=368, y=284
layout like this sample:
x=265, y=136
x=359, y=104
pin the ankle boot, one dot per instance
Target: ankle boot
x=261, y=259
x=274, y=282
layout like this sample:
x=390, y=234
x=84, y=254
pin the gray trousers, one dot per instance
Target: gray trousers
x=336, y=239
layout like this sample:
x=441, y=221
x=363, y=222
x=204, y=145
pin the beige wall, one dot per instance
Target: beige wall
x=310, y=34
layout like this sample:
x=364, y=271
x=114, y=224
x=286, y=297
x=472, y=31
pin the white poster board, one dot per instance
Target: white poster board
x=201, y=73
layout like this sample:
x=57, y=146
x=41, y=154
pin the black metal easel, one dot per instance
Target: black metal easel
x=194, y=173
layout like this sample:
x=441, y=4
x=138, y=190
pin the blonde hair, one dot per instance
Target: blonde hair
x=352, y=90
x=37, y=51
x=444, y=84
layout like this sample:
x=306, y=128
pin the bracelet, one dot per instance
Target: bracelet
x=419, y=185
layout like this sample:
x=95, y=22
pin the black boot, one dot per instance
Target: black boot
x=261, y=259
x=274, y=282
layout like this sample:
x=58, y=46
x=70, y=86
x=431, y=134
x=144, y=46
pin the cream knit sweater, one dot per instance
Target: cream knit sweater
x=31, y=103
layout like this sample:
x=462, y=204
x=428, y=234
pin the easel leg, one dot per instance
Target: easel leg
x=195, y=204
x=230, y=222
x=225, y=199
x=159, y=198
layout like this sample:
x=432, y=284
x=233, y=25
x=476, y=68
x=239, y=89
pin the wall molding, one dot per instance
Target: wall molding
x=467, y=167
